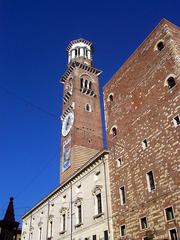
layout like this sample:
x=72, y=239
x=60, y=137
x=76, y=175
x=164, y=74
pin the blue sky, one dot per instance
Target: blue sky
x=33, y=39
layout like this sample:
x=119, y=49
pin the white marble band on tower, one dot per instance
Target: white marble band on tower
x=80, y=50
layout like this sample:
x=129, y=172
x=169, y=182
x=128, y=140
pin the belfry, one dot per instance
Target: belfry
x=81, y=117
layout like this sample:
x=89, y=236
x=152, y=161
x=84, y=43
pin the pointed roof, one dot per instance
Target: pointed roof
x=9, y=215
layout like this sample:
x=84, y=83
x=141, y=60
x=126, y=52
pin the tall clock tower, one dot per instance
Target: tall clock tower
x=81, y=117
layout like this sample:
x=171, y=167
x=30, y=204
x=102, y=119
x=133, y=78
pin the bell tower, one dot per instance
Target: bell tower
x=81, y=117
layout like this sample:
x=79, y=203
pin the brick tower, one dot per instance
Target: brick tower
x=81, y=117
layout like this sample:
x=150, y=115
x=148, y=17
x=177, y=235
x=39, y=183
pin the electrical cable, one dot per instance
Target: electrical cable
x=20, y=98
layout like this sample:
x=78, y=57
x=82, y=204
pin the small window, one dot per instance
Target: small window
x=79, y=211
x=122, y=195
x=94, y=237
x=31, y=235
x=64, y=222
x=81, y=82
x=144, y=144
x=88, y=108
x=78, y=188
x=122, y=230
x=40, y=233
x=99, y=203
x=171, y=82
x=51, y=229
x=86, y=83
x=114, y=131
x=64, y=198
x=119, y=162
x=111, y=97
x=169, y=213
x=176, y=121
x=97, y=173
x=76, y=52
x=150, y=181
x=160, y=45
x=144, y=223
x=106, y=235
x=173, y=234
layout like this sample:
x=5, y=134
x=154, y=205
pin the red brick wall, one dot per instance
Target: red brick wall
x=86, y=133
x=143, y=108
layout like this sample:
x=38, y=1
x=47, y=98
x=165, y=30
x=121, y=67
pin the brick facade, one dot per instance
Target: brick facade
x=140, y=106
x=86, y=132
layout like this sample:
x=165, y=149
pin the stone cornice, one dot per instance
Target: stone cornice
x=57, y=190
x=79, y=65
x=77, y=41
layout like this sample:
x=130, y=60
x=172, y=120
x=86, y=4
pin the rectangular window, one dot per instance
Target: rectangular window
x=144, y=144
x=169, y=213
x=122, y=195
x=122, y=230
x=31, y=236
x=40, y=233
x=51, y=227
x=79, y=209
x=144, y=223
x=64, y=222
x=173, y=234
x=99, y=203
x=150, y=181
x=94, y=237
x=106, y=235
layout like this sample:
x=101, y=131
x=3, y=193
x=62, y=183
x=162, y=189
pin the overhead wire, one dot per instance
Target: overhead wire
x=21, y=98
x=41, y=109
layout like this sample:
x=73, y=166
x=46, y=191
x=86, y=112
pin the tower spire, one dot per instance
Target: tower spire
x=8, y=225
x=9, y=215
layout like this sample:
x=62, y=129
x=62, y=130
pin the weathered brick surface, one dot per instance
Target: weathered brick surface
x=143, y=108
x=86, y=133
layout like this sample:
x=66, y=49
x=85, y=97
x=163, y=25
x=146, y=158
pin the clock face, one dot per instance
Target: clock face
x=67, y=123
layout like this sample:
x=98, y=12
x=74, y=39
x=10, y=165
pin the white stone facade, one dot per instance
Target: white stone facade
x=78, y=209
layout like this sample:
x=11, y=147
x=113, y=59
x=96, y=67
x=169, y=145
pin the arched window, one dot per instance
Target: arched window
x=97, y=192
x=114, y=131
x=90, y=85
x=76, y=52
x=171, y=82
x=160, y=45
x=81, y=82
x=86, y=83
x=88, y=108
x=63, y=220
x=111, y=97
